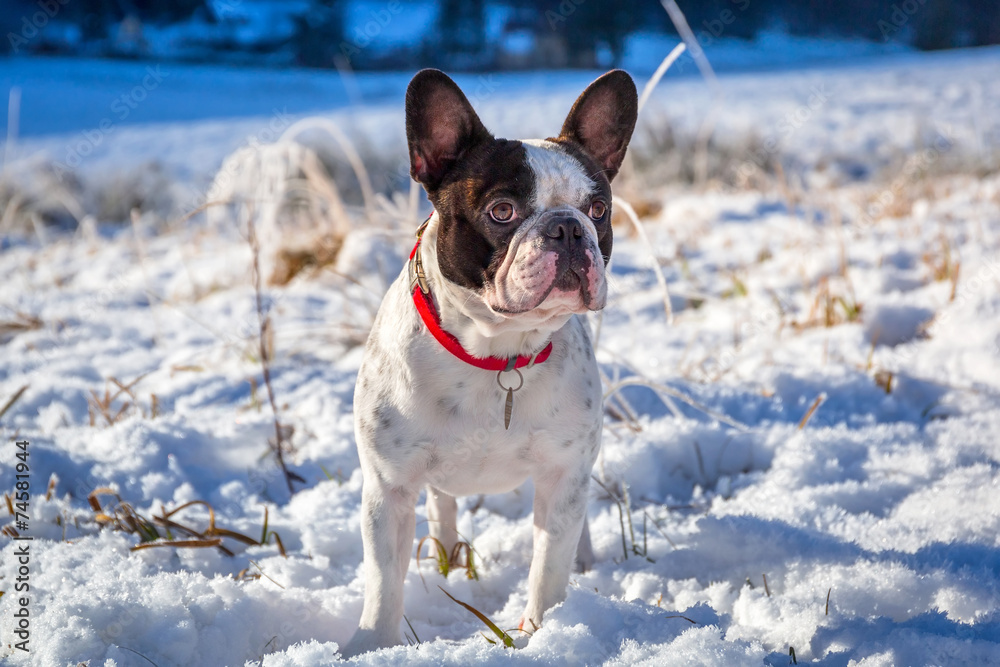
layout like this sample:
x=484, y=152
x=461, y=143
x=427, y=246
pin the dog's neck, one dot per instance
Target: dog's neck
x=482, y=332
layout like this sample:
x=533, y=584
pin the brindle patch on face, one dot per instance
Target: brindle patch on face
x=470, y=244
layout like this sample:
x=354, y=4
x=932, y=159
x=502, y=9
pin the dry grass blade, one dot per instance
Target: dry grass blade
x=674, y=410
x=180, y=544
x=281, y=547
x=689, y=620
x=126, y=388
x=122, y=516
x=280, y=439
x=658, y=74
x=104, y=405
x=138, y=654
x=12, y=400
x=21, y=323
x=621, y=514
x=684, y=30
x=93, y=496
x=829, y=590
x=812, y=409
x=624, y=412
x=239, y=537
x=708, y=124
x=641, y=230
x=211, y=511
x=658, y=388
x=350, y=152
x=264, y=574
x=507, y=640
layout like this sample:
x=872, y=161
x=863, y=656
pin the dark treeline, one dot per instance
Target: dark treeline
x=462, y=34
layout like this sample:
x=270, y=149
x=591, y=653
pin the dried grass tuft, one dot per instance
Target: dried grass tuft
x=18, y=324
x=166, y=529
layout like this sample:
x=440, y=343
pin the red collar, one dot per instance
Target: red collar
x=432, y=320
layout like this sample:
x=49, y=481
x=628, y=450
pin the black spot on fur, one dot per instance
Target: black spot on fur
x=589, y=403
x=382, y=415
x=365, y=427
x=448, y=405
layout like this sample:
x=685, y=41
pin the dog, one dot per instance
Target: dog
x=479, y=373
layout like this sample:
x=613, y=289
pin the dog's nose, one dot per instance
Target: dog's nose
x=565, y=230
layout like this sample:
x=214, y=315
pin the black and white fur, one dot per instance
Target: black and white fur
x=504, y=287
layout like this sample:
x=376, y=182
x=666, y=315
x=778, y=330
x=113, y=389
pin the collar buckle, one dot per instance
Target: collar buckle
x=418, y=278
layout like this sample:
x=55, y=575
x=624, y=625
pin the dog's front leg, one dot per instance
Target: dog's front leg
x=560, y=509
x=388, y=525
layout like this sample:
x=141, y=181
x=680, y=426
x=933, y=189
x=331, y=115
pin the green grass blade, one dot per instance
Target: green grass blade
x=504, y=637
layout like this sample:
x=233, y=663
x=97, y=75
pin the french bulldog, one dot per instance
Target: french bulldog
x=479, y=373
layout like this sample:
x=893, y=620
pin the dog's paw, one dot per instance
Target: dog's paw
x=364, y=641
x=532, y=626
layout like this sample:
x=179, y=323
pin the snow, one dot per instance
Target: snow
x=876, y=523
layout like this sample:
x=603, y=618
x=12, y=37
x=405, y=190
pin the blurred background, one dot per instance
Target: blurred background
x=471, y=34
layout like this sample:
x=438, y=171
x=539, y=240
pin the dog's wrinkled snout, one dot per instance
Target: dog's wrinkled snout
x=564, y=230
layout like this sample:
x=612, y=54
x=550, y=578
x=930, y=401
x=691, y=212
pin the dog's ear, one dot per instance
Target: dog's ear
x=440, y=126
x=602, y=119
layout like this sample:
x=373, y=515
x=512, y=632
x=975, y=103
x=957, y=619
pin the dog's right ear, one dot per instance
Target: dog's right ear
x=441, y=126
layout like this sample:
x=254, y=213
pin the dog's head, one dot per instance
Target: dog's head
x=524, y=225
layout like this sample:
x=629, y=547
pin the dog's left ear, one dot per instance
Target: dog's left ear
x=441, y=126
x=602, y=119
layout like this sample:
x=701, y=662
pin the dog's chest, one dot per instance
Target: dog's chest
x=431, y=418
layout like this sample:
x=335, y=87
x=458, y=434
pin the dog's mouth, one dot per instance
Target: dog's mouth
x=550, y=282
x=569, y=292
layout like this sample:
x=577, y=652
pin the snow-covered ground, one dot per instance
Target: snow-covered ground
x=866, y=276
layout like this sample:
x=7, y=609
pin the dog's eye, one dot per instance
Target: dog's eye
x=502, y=212
x=598, y=209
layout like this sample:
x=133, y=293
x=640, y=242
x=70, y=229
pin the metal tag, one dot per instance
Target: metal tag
x=508, y=408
